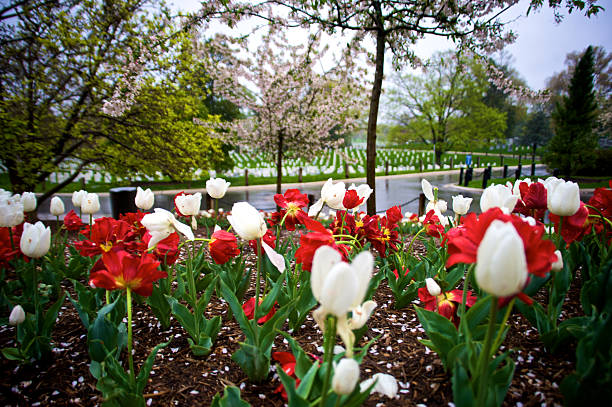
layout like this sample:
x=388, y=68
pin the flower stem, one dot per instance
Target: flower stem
x=35, y=288
x=330, y=340
x=129, y=340
x=485, y=356
x=560, y=241
x=90, y=220
x=11, y=237
x=257, y=279
x=413, y=240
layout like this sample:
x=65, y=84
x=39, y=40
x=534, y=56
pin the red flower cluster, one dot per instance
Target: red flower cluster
x=108, y=234
x=9, y=251
x=310, y=242
x=432, y=225
x=268, y=238
x=73, y=222
x=600, y=207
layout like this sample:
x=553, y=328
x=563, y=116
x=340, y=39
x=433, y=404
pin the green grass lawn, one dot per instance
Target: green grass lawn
x=240, y=181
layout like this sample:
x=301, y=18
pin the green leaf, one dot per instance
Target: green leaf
x=51, y=316
x=184, y=316
x=295, y=397
x=463, y=395
x=231, y=398
x=160, y=306
x=13, y=354
x=236, y=307
x=145, y=369
x=303, y=362
x=253, y=361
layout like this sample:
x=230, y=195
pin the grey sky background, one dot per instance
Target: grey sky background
x=541, y=47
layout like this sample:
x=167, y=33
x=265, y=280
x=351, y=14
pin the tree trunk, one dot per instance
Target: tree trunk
x=279, y=164
x=373, y=118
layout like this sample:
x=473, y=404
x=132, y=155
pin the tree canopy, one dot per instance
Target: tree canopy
x=572, y=147
x=444, y=106
x=62, y=63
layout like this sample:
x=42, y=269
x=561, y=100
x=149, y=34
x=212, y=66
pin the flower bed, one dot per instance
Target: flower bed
x=384, y=308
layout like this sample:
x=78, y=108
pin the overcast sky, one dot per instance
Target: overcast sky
x=542, y=44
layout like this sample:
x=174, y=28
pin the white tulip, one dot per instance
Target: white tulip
x=28, y=200
x=217, y=187
x=346, y=376
x=189, y=205
x=77, y=198
x=247, y=221
x=558, y=265
x=17, y=316
x=332, y=195
x=432, y=287
x=161, y=224
x=144, y=198
x=385, y=384
x=340, y=288
x=57, y=206
x=498, y=196
x=35, y=240
x=90, y=204
x=563, y=198
x=461, y=204
x=11, y=212
x=501, y=265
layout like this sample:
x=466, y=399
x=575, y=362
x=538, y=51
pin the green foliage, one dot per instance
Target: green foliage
x=83, y=54
x=231, y=398
x=253, y=356
x=444, y=107
x=571, y=148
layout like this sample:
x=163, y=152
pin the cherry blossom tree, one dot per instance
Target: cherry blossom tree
x=394, y=26
x=294, y=109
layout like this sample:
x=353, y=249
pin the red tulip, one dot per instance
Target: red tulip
x=121, y=270
x=223, y=246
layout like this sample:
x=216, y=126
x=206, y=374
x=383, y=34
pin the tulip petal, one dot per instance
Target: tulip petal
x=275, y=258
x=324, y=259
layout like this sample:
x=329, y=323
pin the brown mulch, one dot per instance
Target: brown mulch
x=180, y=379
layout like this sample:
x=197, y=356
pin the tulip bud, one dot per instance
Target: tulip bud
x=461, y=204
x=432, y=287
x=35, y=240
x=17, y=316
x=77, y=198
x=558, y=265
x=90, y=204
x=501, y=265
x=144, y=199
x=28, y=200
x=346, y=376
x=247, y=221
x=57, y=206
x=217, y=187
x=564, y=198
